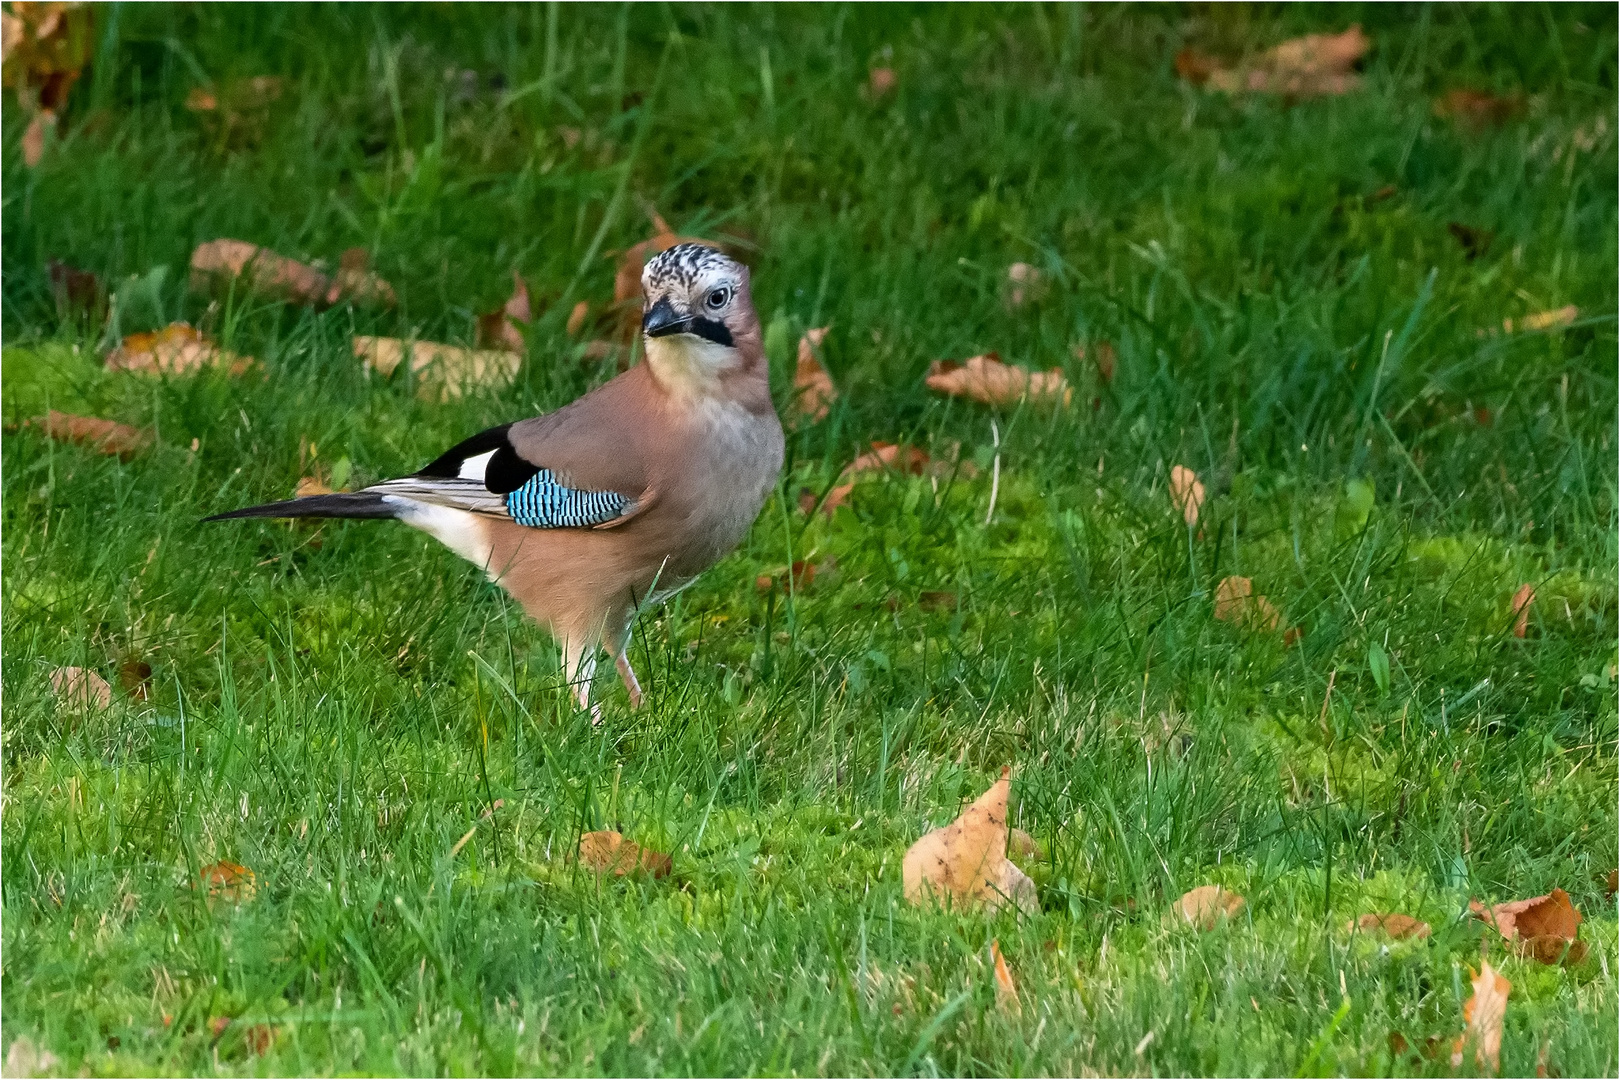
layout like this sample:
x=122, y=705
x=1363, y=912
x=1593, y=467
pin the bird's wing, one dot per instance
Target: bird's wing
x=574, y=468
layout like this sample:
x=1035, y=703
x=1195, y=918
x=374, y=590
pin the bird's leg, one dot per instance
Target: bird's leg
x=628, y=675
x=579, y=667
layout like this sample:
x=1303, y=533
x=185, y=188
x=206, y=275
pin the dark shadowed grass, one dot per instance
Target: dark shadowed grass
x=337, y=706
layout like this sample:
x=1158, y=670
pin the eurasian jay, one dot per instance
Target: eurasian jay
x=615, y=501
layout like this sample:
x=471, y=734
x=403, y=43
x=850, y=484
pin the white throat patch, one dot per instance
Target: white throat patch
x=689, y=364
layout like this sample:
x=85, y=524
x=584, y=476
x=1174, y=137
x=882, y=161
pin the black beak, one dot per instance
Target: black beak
x=661, y=321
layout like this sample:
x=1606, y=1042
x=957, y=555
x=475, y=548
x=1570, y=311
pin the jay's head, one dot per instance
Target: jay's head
x=699, y=315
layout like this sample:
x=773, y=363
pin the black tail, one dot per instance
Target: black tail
x=343, y=504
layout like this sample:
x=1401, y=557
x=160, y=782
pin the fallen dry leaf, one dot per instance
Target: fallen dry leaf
x=311, y=485
x=33, y=140
x=813, y=389
x=1303, y=67
x=1206, y=906
x=1522, y=599
x=46, y=46
x=104, y=436
x=230, y=881
x=218, y=263
x=1186, y=493
x=1395, y=925
x=23, y=1058
x=1006, y=989
x=442, y=371
x=880, y=81
x=1483, y=1013
x=964, y=864
x=356, y=282
x=259, y=1038
x=217, y=1025
x=609, y=852
x=1544, y=928
x=887, y=457
x=986, y=379
x=1103, y=355
x=1611, y=884
x=577, y=317
x=80, y=688
x=503, y=327
x=1237, y=603
x=177, y=349
x=1477, y=108
x=135, y=676
x=1543, y=320
x=802, y=574
x=74, y=289
x=1025, y=284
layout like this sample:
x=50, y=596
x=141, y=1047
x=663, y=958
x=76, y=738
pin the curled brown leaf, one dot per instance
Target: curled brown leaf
x=608, y=852
x=177, y=349
x=964, y=864
x=1206, y=906
x=986, y=379
x=813, y=388
x=104, y=436
x=81, y=688
x=1236, y=602
x=1186, y=493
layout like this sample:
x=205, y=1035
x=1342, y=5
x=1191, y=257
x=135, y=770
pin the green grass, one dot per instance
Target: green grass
x=335, y=707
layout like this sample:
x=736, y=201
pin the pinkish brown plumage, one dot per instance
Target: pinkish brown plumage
x=589, y=513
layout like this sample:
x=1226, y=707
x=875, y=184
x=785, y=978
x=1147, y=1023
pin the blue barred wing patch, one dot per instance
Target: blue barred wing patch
x=544, y=502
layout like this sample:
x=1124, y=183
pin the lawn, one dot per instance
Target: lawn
x=1334, y=309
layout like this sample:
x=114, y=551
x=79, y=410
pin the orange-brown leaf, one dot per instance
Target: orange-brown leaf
x=577, y=317
x=1006, y=989
x=503, y=327
x=81, y=688
x=356, y=282
x=1395, y=925
x=442, y=371
x=1477, y=108
x=986, y=379
x=813, y=389
x=1237, y=603
x=1102, y=354
x=177, y=349
x=104, y=436
x=135, y=676
x=1186, y=493
x=1522, y=599
x=964, y=864
x=1555, y=319
x=880, y=81
x=45, y=47
x=1483, y=1014
x=1303, y=67
x=1206, y=906
x=608, y=852
x=230, y=881
x=1611, y=884
x=1543, y=927
x=33, y=140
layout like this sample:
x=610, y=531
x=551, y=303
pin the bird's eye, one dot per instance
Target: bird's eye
x=717, y=298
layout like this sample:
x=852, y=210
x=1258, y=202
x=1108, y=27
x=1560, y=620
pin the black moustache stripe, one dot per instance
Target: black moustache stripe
x=711, y=330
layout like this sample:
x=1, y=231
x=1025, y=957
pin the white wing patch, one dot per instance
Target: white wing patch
x=473, y=468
